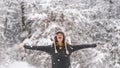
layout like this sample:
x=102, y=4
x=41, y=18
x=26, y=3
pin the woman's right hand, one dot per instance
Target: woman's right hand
x=21, y=45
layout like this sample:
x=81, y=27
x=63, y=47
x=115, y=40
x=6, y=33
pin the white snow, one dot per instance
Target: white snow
x=20, y=64
x=83, y=21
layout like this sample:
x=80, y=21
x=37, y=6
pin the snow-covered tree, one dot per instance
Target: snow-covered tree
x=83, y=21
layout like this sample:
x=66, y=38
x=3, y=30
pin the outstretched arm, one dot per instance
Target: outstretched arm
x=82, y=46
x=42, y=48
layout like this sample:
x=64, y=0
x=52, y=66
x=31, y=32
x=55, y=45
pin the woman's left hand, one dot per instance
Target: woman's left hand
x=99, y=45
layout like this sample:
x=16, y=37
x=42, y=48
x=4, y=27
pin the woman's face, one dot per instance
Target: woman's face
x=60, y=37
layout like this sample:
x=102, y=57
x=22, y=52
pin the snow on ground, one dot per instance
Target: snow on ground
x=18, y=64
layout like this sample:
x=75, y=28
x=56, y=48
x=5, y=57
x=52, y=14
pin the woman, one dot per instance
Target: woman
x=60, y=51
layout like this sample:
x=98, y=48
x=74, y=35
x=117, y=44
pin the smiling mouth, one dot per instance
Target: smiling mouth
x=60, y=37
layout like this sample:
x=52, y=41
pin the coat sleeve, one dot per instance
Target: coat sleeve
x=82, y=46
x=42, y=48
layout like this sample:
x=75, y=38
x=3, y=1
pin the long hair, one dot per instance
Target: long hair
x=63, y=41
x=55, y=38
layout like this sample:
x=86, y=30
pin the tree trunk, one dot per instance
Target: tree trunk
x=22, y=16
x=5, y=25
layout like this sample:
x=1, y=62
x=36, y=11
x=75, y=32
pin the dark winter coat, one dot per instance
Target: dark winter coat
x=60, y=59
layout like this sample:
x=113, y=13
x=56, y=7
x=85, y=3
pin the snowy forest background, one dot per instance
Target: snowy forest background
x=83, y=21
